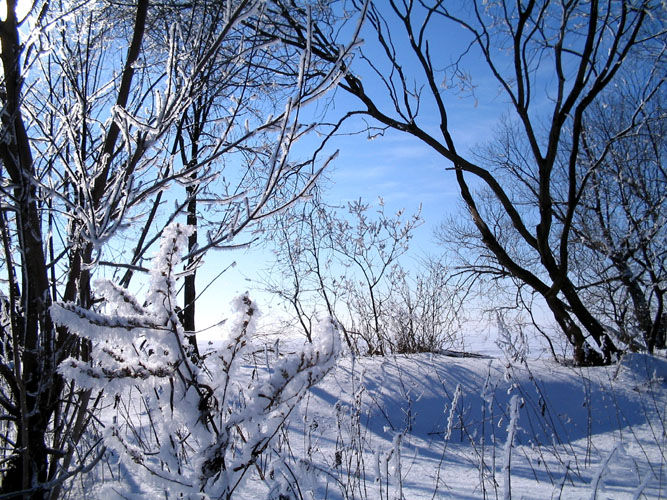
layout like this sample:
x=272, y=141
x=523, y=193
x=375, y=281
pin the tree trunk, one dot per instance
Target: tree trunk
x=189, y=288
x=609, y=350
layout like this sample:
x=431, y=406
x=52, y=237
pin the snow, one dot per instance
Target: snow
x=435, y=426
x=188, y=427
x=279, y=418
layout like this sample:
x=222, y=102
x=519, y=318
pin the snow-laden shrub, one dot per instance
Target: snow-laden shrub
x=186, y=426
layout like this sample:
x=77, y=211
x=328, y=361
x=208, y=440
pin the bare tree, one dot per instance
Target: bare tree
x=371, y=245
x=301, y=274
x=345, y=266
x=94, y=142
x=552, y=61
x=621, y=219
x=425, y=311
x=616, y=238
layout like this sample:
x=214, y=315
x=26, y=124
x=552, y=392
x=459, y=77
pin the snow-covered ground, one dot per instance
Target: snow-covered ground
x=433, y=426
x=436, y=426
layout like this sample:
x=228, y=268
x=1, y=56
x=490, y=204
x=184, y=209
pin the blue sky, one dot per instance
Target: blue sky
x=401, y=169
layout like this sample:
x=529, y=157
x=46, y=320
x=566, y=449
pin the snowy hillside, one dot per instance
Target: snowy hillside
x=434, y=426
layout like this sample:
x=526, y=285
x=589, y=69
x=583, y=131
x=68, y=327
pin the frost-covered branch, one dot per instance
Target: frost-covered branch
x=223, y=416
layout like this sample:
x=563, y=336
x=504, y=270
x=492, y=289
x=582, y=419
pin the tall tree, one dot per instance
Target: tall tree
x=95, y=140
x=621, y=220
x=552, y=61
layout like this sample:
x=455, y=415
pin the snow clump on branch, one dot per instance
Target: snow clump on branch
x=203, y=426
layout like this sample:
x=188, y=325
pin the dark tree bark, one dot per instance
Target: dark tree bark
x=584, y=44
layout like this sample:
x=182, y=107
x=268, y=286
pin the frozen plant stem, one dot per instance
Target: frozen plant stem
x=507, y=459
x=604, y=466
